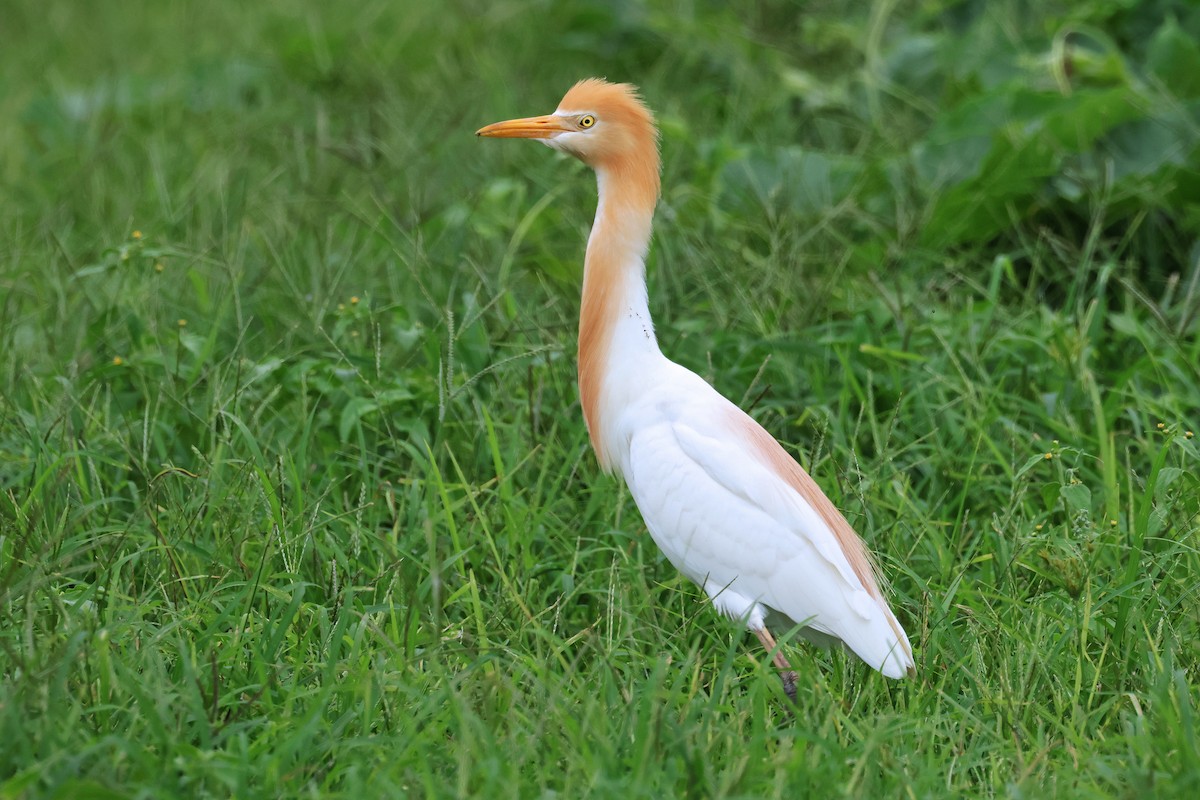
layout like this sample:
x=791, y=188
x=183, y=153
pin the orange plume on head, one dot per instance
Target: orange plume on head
x=627, y=137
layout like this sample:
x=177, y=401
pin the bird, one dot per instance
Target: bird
x=723, y=500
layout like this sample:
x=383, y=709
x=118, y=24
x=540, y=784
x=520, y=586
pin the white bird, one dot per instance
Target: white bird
x=723, y=500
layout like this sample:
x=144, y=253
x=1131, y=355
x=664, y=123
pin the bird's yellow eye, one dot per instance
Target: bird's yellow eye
x=587, y=121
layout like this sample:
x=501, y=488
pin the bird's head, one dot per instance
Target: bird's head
x=605, y=125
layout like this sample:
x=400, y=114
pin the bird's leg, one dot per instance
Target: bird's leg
x=779, y=660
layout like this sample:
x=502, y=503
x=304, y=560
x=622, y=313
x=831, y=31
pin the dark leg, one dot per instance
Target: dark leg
x=785, y=669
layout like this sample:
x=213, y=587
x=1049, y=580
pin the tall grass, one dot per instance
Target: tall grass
x=295, y=495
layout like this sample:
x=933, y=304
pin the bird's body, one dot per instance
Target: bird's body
x=722, y=499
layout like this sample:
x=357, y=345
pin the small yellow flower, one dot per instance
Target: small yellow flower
x=158, y=266
x=1112, y=522
x=183, y=323
x=354, y=300
x=1049, y=456
x=1161, y=426
x=137, y=234
x=118, y=361
x=1037, y=527
x=1188, y=434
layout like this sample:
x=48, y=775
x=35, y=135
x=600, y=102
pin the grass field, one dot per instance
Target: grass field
x=295, y=494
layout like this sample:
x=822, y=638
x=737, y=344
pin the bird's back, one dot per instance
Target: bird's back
x=736, y=514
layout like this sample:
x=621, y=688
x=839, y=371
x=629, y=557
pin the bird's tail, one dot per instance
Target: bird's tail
x=883, y=644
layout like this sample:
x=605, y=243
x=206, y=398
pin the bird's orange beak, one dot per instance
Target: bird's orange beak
x=525, y=128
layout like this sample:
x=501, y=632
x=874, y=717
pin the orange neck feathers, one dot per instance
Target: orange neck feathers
x=627, y=177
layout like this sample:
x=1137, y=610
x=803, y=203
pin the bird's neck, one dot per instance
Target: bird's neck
x=615, y=330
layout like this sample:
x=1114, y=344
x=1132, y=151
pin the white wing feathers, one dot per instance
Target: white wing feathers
x=728, y=520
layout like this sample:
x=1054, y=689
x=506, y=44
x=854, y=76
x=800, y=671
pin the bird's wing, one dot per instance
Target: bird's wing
x=726, y=517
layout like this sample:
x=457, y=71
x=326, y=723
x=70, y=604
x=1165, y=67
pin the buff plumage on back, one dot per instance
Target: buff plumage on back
x=627, y=163
x=772, y=455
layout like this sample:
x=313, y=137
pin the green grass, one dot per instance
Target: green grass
x=295, y=495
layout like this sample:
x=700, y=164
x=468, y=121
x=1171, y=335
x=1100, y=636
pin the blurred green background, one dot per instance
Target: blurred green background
x=295, y=495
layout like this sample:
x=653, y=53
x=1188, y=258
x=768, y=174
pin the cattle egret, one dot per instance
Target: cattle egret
x=722, y=499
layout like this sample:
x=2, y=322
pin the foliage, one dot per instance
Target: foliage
x=295, y=499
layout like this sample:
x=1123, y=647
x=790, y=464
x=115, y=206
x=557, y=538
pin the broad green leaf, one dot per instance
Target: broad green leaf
x=355, y=409
x=1174, y=58
x=791, y=178
x=1077, y=497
